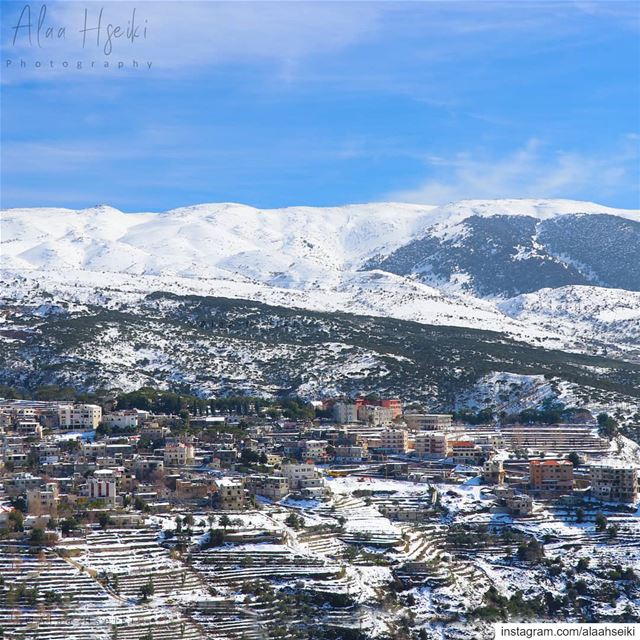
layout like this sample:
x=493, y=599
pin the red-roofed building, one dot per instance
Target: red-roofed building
x=551, y=476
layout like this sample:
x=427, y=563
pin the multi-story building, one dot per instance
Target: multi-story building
x=147, y=465
x=614, y=481
x=376, y=415
x=79, y=416
x=428, y=421
x=272, y=487
x=344, y=412
x=121, y=419
x=230, y=493
x=178, y=454
x=29, y=428
x=21, y=483
x=43, y=500
x=431, y=443
x=465, y=451
x=394, y=440
x=302, y=477
x=393, y=404
x=493, y=471
x=315, y=449
x=103, y=485
x=351, y=453
x=551, y=476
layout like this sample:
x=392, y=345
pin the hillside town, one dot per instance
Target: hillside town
x=374, y=517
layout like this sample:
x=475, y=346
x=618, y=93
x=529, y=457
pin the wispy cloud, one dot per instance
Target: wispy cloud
x=533, y=170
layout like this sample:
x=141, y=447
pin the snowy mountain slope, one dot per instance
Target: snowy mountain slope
x=375, y=293
x=296, y=246
x=283, y=246
x=599, y=316
x=507, y=255
x=411, y=262
x=212, y=345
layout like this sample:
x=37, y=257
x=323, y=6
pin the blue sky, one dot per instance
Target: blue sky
x=276, y=104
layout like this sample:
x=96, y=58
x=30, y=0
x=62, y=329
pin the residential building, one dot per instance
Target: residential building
x=230, y=493
x=344, y=412
x=465, y=451
x=551, y=476
x=315, y=449
x=376, y=415
x=428, y=421
x=272, y=487
x=121, y=419
x=614, y=481
x=178, y=454
x=351, y=453
x=79, y=416
x=43, y=500
x=103, y=485
x=431, y=443
x=302, y=476
x=493, y=471
x=394, y=440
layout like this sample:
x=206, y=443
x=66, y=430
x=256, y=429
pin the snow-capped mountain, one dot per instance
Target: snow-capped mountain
x=411, y=262
x=493, y=252
x=80, y=298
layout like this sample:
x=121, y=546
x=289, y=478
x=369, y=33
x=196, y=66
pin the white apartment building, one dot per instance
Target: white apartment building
x=80, y=416
x=614, y=481
x=376, y=416
x=121, y=419
x=344, y=412
x=103, y=485
x=428, y=421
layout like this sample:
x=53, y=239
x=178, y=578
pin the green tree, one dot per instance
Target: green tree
x=147, y=590
x=37, y=537
x=104, y=519
x=601, y=521
x=607, y=426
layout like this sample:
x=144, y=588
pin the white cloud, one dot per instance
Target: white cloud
x=532, y=171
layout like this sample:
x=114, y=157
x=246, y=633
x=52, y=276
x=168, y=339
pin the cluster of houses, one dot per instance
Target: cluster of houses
x=61, y=457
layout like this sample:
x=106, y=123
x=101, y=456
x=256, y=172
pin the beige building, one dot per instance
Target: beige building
x=394, y=440
x=79, y=416
x=231, y=494
x=272, y=487
x=315, y=449
x=465, y=451
x=614, y=481
x=302, y=476
x=177, y=454
x=431, y=443
x=43, y=500
x=493, y=472
x=428, y=421
x=376, y=416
